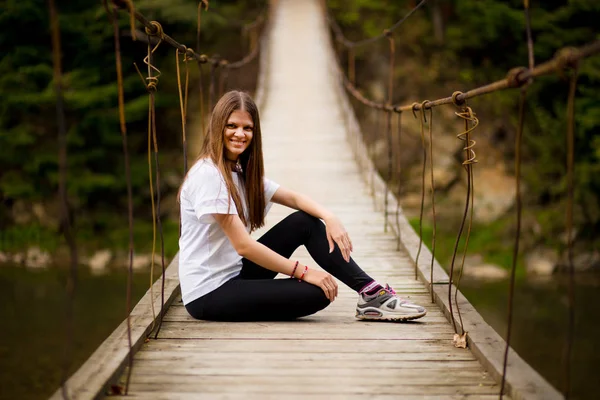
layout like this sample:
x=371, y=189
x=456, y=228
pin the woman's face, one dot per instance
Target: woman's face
x=238, y=134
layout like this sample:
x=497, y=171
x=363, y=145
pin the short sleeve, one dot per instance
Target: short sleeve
x=208, y=193
x=270, y=189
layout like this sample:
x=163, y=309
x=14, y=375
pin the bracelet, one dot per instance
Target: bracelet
x=294, y=270
x=302, y=276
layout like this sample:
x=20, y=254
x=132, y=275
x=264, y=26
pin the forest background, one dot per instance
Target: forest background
x=445, y=46
x=450, y=45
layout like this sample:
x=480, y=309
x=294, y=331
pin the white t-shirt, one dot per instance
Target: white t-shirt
x=207, y=259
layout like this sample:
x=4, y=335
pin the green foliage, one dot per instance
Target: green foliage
x=482, y=40
x=96, y=169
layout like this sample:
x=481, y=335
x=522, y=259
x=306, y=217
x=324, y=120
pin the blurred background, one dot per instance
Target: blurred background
x=446, y=46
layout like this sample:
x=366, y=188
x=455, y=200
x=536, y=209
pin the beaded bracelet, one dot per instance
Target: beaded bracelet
x=294, y=270
x=302, y=276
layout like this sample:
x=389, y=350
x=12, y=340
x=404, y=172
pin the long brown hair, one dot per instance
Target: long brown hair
x=251, y=159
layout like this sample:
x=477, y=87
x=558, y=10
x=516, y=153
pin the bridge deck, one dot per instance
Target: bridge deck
x=329, y=355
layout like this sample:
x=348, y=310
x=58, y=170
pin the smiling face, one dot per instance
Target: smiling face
x=237, y=134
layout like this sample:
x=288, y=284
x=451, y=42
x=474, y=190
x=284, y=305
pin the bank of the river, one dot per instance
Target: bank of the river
x=32, y=315
x=540, y=316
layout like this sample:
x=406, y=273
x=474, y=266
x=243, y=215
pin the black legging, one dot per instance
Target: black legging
x=255, y=296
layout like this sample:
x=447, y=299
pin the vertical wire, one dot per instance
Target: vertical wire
x=468, y=236
x=201, y=95
x=150, y=177
x=468, y=116
x=389, y=129
x=518, y=198
x=432, y=201
x=152, y=90
x=121, y=98
x=421, y=122
x=62, y=193
x=182, y=107
x=398, y=172
x=569, y=228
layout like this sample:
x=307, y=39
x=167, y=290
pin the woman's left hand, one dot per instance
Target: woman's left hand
x=337, y=233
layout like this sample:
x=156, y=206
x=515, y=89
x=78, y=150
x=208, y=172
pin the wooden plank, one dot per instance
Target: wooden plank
x=410, y=359
x=256, y=345
x=410, y=393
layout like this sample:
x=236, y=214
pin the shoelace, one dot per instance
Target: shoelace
x=389, y=289
x=393, y=292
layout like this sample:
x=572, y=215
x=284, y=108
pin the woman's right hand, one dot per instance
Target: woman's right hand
x=323, y=280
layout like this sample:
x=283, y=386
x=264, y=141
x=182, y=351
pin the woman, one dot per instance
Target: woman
x=225, y=274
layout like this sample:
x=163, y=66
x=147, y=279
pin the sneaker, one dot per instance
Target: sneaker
x=385, y=305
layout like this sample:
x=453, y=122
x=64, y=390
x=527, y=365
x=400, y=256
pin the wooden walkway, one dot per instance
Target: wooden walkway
x=331, y=355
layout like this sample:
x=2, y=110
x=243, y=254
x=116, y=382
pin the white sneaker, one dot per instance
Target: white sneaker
x=385, y=305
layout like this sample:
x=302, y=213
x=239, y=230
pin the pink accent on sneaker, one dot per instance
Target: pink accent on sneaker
x=368, y=287
x=389, y=289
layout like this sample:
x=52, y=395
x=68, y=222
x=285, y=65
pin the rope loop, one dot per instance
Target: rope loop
x=413, y=108
x=387, y=33
x=189, y=54
x=156, y=31
x=513, y=77
x=223, y=63
x=423, y=110
x=455, y=99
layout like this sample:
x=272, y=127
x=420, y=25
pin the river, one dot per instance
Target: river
x=32, y=308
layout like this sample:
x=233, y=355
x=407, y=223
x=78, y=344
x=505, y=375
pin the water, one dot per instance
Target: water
x=32, y=311
x=540, y=317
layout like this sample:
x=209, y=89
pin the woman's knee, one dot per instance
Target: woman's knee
x=315, y=300
x=301, y=219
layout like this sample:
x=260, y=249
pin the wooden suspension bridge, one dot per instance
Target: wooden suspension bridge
x=312, y=144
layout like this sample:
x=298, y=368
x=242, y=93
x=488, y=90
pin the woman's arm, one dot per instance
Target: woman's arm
x=335, y=230
x=260, y=254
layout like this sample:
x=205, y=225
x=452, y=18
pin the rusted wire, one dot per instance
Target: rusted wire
x=569, y=229
x=201, y=58
x=421, y=122
x=389, y=127
x=65, y=220
x=223, y=78
x=518, y=201
x=399, y=183
x=201, y=4
x=515, y=78
x=183, y=98
x=121, y=99
x=152, y=86
x=564, y=58
x=432, y=201
x=468, y=116
x=339, y=36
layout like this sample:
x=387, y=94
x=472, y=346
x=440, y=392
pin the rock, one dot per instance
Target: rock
x=582, y=261
x=141, y=261
x=3, y=257
x=99, y=261
x=475, y=267
x=36, y=258
x=541, y=262
x=18, y=258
